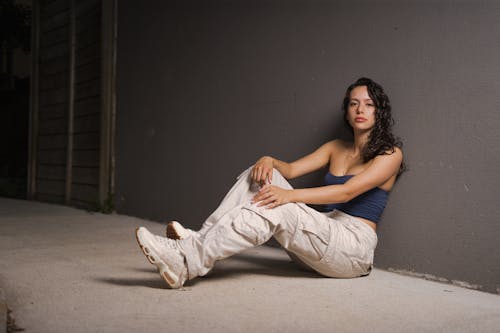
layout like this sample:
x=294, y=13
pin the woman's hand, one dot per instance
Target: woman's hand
x=272, y=196
x=262, y=171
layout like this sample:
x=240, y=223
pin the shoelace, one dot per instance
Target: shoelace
x=171, y=243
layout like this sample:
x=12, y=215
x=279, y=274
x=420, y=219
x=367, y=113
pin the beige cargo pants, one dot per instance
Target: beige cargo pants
x=334, y=244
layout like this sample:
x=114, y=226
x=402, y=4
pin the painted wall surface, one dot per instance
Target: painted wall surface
x=205, y=89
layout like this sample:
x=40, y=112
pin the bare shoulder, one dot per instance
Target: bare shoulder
x=396, y=153
x=328, y=146
x=390, y=161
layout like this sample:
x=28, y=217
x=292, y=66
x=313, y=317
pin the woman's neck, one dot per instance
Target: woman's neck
x=360, y=140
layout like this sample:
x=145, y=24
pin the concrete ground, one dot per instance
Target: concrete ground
x=68, y=270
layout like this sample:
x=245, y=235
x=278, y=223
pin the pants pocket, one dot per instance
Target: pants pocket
x=251, y=227
x=352, y=257
x=309, y=241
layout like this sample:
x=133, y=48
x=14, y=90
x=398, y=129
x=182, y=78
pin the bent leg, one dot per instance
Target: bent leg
x=337, y=247
x=241, y=193
x=296, y=227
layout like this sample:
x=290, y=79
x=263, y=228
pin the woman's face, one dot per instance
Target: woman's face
x=361, y=110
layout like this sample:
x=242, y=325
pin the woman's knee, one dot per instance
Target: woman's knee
x=279, y=180
x=276, y=173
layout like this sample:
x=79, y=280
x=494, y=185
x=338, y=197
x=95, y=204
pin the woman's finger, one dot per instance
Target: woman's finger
x=263, y=189
x=265, y=196
x=274, y=204
x=262, y=194
x=267, y=201
x=270, y=176
x=255, y=174
x=265, y=177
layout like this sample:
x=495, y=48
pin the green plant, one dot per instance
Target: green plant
x=107, y=206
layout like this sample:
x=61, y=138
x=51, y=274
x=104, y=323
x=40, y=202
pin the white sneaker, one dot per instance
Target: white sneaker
x=165, y=255
x=175, y=230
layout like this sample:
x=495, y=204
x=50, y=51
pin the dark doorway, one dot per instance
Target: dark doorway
x=15, y=61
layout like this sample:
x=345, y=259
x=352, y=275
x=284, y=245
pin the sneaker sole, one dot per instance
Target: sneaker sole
x=165, y=273
x=143, y=249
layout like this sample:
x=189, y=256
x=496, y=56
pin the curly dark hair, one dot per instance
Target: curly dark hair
x=381, y=140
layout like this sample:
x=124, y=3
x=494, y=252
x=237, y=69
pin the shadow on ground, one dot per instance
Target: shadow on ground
x=242, y=264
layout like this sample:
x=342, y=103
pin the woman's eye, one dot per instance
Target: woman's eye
x=352, y=104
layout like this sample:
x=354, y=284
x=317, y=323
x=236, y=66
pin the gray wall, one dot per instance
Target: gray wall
x=205, y=89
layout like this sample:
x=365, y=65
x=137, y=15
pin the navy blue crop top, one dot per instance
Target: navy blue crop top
x=368, y=205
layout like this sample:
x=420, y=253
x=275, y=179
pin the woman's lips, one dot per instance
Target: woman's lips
x=359, y=119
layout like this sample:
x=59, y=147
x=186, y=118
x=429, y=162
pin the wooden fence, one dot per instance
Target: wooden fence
x=72, y=102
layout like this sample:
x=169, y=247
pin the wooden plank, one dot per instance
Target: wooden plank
x=49, y=23
x=90, y=71
x=53, y=66
x=83, y=205
x=56, y=36
x=52, y=172
x=56, y=156
x=51, y=97
x=54, y=187
x=85, y=6
x=71, y=102
x=87, y=123
x=88, y=19
x=44, y=197
x=87, y=89
x=86, y=175
x=54, y=8
x=34, y=101
x=88, y=54
x=45, y=2
x=87, y=193
x=54, y=51
x=87, y=106
x=89, y=36
x=56, y=111
x=52, y=60
x=53, y=126
x=86, y=158
x=55, y=141
x=51, y=82
x=86, y=140
x=108, y=106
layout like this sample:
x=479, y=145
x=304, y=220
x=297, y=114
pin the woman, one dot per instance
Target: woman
x=338, y=243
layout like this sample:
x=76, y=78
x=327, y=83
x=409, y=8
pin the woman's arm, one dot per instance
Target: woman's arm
x=380, y=171
x=263, y=168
